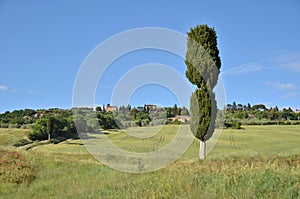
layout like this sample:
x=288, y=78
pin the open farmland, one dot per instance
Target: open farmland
x=255, y=162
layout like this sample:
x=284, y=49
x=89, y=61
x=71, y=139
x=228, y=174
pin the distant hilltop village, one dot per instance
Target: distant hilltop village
x=148, y=107
x=174, y=114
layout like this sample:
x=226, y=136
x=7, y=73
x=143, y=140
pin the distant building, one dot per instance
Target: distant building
x=84, y=109
x=181, y=118
x=111, y=108
x=80, y=108
x=150, y=107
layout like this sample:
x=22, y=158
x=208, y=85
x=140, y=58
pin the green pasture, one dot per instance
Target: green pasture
x=255, y=162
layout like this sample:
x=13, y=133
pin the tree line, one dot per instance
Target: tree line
x=58, y=124
x=259, y=114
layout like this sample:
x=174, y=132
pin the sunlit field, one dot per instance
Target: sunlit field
x=255, y=162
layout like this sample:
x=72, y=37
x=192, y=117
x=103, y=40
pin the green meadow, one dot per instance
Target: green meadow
x=255, y=162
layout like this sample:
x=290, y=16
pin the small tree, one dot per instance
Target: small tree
x=98, y=109
x=203, y=67
x=50, y=125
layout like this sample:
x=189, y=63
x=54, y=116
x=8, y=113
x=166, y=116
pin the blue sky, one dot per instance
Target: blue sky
x=43, y=44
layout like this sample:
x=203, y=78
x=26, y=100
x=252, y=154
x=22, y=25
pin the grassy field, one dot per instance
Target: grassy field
x=255, y=162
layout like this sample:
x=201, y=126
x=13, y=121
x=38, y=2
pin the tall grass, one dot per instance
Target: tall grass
x=65, y=176
x=14, y=169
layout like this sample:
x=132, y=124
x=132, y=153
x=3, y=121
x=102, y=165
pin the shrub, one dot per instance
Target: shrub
x=37, y=136
x=236, y=125
x=177, y=121
x=233, y=124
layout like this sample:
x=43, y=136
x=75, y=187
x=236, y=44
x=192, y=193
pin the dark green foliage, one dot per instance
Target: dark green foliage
x=107, y=120
x=98, y=109
x=203, y=113
x=259, y=106
x=202, y=57
x=173, y=111
x=28, y=117
x=57, y=127
x=234, y=124
x=261, y=115
x=140, y=116
x=17, y=118
x=39, y=131
x=203, y=67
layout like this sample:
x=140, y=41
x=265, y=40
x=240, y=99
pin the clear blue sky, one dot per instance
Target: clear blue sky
x=43, y=43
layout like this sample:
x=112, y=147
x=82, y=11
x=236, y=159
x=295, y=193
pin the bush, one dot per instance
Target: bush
x=37, y=136
x=270, y=123
x=236, y=125
x=177, y=121
x=233, y=124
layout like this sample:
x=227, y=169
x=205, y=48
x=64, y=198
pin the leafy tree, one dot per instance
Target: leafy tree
x=98, y=109
x=133, y=113
x=184, y=111
x=107, y=121
x=240, y=114
x=39, y=130
x=259, y=106
x=54, y=127
x=203, y=67
x=240, y=107
x=249, y=106
x=175, y=109
x=50, y=127
x=234, y=105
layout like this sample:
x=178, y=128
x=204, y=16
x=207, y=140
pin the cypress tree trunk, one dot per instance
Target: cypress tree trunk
x=202, y=150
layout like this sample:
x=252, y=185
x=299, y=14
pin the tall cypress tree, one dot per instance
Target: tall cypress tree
x=203, y=68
